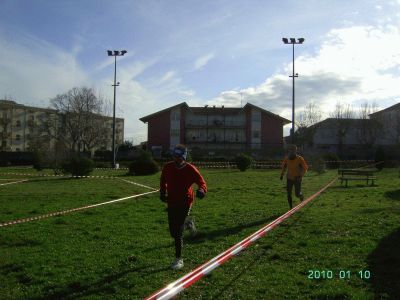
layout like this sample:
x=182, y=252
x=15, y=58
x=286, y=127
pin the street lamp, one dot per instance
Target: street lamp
x=293, y=42
x=115, y=53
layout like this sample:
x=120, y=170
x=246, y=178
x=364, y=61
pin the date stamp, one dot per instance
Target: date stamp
x=341, y=274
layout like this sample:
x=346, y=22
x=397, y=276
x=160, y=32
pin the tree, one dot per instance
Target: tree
x=341, y=114
x=5, y=123
x=369, y=129
x=83, y=123
x=308, y=117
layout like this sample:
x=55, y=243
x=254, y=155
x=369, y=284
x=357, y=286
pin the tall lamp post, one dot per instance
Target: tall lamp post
x=115, y=53
x=293, y=42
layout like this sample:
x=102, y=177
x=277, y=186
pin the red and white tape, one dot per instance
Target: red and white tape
x=186, y=281
x=13, y=182
x=58, y=213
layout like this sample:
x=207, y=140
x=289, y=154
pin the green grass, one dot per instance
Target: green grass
x=123, y=250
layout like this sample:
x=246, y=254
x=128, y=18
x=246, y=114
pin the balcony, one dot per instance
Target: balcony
x=215, y=125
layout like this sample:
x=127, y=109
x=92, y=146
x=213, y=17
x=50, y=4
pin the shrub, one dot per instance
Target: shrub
x=143, y=165
x=318, y=165
x=331, y=160
x=78, y=166
x=380, y=157
x=243, y=161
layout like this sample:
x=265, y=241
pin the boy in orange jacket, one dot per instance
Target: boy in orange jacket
x=296, y=167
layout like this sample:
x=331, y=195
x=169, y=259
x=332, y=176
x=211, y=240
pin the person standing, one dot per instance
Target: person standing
x=177, y=178
x=296, y=167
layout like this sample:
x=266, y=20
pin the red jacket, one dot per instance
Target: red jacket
x=178, y=184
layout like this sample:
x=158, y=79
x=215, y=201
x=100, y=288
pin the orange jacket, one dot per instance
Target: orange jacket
x=296, y=167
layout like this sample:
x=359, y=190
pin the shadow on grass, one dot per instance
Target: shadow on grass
x=106, y=285
x=384, y=265
x=215, y=234
x=394, y=195
x=266, y=249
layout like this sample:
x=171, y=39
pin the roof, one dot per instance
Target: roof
x=148, y=117
x=334, y=121
x=204, y=110
x=13, y=104
x=393, y=107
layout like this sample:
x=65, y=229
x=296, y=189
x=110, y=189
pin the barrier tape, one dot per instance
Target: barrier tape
x=49, y=175
x=14, y=182
x=104, y=177
x=186, y=281
x=138, y=184
x=58, y=213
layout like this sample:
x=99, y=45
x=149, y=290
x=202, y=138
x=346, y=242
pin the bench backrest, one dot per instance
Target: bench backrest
x=356, y=172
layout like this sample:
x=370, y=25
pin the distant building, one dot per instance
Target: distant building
x=340, y=135
x=214, y=130
x=354, y=138
x=389, y=118
x=20, y=123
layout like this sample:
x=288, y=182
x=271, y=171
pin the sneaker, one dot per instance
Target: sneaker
x=177, y=264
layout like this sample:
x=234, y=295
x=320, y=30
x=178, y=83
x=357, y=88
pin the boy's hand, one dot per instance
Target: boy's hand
x=200, y=194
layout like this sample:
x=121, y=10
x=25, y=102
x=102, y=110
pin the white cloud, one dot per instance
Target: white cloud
x=354, y=64
x=167, y=76
x=41, y=69
x=202, y=61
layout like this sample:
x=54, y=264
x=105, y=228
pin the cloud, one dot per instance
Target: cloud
x=202, y=61
x=354, y=64
x=41, y=69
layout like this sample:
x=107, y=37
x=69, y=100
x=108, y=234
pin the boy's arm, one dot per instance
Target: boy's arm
x=201, y=183
x=163, y=182
x=283, y=167
x=304, y=165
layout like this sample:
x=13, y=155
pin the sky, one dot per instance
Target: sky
x=215, y=52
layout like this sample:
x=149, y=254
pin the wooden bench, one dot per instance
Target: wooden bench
x=356, y=174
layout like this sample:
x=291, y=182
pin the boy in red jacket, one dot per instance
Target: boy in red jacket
x=177, y=178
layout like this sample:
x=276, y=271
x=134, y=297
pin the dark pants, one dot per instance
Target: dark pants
x=297, y=189
x=176, y=222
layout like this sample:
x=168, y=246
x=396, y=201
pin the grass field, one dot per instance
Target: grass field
x=123, y=250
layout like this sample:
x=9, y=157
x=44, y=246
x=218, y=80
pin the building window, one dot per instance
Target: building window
x=18, y=123
x=175, y=116
x=174, y=132
x=256, y=116
x=18, y=137
x=256, y=134
x=17, y=149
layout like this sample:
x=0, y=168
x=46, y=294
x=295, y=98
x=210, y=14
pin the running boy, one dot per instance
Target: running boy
x=296, y=167
x=177, y=178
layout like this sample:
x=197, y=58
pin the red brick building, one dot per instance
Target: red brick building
x=214, y=130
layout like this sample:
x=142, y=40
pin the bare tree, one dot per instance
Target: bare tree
x=342, y=115
x=308, y=117
x=369, y=129
x=83, y=124
x=5, y=124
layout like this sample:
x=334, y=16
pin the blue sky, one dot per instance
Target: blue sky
x=201, y=52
